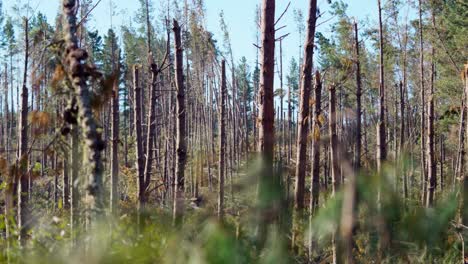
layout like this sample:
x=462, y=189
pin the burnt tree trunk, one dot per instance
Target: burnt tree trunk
x=381, y=128
x=303, y=124
x=74, y=61
x=74, y=181
x=114, y=190
x=431, y=163
x=334, y=162
x=180, y=126
x=222, y=141
x=334, y=156
x=23, y=191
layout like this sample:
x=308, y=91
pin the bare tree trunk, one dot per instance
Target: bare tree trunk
x=267, y=111
x=266, y=116
x=281, y=121
x=289, y=154
x=22, y=160
x=74, y=181
x=334, y=156
x=315, y=177
x=464, y=178
x=442, y=162
x=334, y=162
x=65, y=182
x=460, y=161
x=139, y=137
x=303, y=125
x=180, y=140
x=381, y=129
x=114, y=190
x=74, y=61
x=8, y=125
x=423, y=108
x=357, y=153
x=222, y=141
x=402, y=138
x=151, y=130
x=431, y=163
x=316, y=126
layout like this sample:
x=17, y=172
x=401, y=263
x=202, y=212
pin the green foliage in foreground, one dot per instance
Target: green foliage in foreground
x=416, y=234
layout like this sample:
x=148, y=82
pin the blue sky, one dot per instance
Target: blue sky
x=239, y=15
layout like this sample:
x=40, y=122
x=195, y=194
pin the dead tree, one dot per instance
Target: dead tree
x=66, y=181
x=180, y=126
x=303, y=124
x=423, y=107
x=222, y=141
x=381, y=128
x=316, y=126
x=460, y=161
x=266, y=115
x=22, y=158
x=357, y=154
x=431, y=163
x=266, y=102
x=464, y=179
x=138, y=136
x=74, y=60
x=74, y=180
x=317, y=123
x=402, y=135
x=114, y=190
x=334, y=156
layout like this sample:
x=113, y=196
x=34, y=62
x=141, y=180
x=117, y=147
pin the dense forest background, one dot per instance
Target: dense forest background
x=153, y=143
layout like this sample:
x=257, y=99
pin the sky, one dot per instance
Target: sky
x=239, y=15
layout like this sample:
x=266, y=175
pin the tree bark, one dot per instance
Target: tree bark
x=431, y=163
x=381, y=128
x=138, y=135
x=74, y=181
x=180, y=124
x=151, y=130
x=464, y=178
x=357, y=153
x=266, y=118
x=303, y=124
x=334, y=156
x=460, y=161
x=315, y=177
x=65, y=182
x=402, y=138
x=22, y=159
x=266, y=102
x=114, y=190
x=222, y=141
x=74, y=62
x=316, y=126
x=423, y=107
